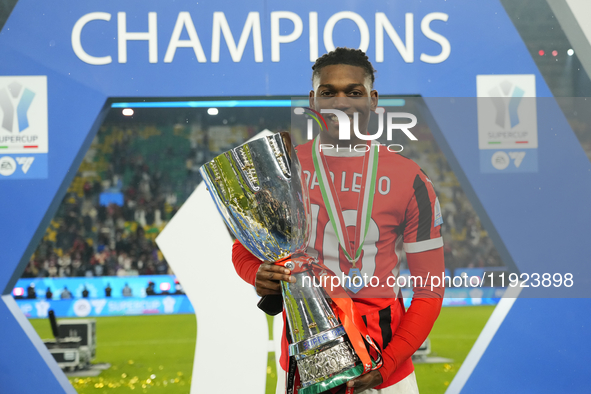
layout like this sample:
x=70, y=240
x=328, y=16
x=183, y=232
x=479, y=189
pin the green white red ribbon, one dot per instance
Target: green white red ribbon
x=333, y=206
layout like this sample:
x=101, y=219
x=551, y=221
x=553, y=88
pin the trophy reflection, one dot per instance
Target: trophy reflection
x=258, y=190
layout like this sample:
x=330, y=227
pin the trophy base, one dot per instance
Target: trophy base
x=327, y=366
x=333, y=381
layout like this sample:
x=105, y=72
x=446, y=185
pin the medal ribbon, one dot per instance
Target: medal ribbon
x=333, y=206
x=352, y=322
x=346, y=309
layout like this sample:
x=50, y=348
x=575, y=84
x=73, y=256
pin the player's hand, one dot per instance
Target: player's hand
x=364, y=382
x=268, y=277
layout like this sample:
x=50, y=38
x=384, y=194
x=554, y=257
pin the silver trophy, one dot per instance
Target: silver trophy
x=258, y=190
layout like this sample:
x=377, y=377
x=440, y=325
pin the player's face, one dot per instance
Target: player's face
x=345, y=88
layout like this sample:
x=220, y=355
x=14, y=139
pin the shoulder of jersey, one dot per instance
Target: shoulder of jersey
x=396, y=159
x=304, y=150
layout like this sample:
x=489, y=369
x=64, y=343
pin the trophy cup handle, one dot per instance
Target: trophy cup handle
x=271, y=304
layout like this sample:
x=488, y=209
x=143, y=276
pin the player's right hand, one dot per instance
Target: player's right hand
x=268, y=277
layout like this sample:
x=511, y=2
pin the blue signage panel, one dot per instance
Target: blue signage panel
x=96, y=286
x=84, y=307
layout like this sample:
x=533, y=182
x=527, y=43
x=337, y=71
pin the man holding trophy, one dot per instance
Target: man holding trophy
x=363, y=207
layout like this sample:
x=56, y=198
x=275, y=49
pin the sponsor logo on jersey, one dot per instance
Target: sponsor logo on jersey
x=438, y=218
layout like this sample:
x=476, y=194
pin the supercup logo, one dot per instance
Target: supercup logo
x=507, y=122
x=12, y=102
x=506, y=97
x=23, y=114
x=23, y=127
x=344, y=119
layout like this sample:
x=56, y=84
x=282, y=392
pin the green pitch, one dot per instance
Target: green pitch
x=148, y=354
x=453, y=335
x=154, y=354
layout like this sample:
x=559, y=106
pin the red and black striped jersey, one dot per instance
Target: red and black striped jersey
x=405, y=214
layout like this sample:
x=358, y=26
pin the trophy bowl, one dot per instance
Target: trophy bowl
x=258, y=189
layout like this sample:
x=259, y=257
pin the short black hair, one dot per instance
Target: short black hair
x=343, y=55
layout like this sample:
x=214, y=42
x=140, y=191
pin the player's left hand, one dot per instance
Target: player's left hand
x=364, y=382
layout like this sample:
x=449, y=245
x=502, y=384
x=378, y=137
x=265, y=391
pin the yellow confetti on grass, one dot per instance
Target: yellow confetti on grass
x=130, y=382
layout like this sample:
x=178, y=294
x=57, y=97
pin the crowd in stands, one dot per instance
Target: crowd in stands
x=90, y=237
x=153, y=170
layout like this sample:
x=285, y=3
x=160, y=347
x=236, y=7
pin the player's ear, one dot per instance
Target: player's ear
x=311, y=99
x=374, y=99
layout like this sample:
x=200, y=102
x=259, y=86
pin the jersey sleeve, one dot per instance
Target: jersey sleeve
x=424, y=309
x=423, y=217
x=245, y=263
